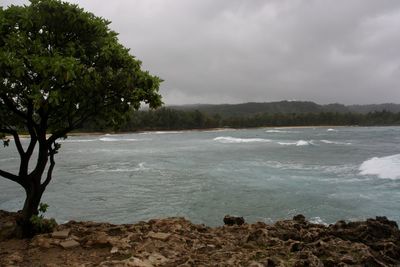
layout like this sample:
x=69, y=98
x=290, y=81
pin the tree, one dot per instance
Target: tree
x=60, y=67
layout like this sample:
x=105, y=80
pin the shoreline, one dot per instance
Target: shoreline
x=178, y=242
x=25, y=136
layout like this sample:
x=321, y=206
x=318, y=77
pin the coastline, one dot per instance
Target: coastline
x=85, y=133
x=179, y=242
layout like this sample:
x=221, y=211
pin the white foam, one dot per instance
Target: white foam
x=277, y=131
x=331, y=130
x=317, y=220
x=334, y=142
x=230, y=140
x=383, y=167
x=122, y=168
x=163, y=132
x=297, y=143
x=112, y=139
x=219, y=130
x=77, y=140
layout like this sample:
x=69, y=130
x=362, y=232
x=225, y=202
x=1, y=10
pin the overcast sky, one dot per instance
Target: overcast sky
x=233, y=51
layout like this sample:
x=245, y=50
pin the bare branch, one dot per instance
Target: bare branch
x=11, y=177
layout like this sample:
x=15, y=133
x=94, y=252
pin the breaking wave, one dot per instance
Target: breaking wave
x=334, y=142
x=230, y=140
x=77, y=140
x=112, y=139
x=278, y=131
x=383, y=167
x=297, y=143
x=331, y=130
x=163, y=132
x=121, y=168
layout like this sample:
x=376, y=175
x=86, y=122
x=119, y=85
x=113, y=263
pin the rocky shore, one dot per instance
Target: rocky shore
x=178, y=242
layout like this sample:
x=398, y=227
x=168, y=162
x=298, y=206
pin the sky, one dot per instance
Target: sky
x=235, y=51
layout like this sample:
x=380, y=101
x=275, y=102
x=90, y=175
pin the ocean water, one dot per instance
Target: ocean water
x=263, y=174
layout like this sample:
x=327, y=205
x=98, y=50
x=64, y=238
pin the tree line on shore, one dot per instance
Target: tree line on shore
x=172, y=119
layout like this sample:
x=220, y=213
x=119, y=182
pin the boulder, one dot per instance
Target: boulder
x=159, y=236
x=69, y=244
x=63, y=234
x=233, y=220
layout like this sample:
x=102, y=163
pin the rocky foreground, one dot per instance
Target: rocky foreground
x=178, y=242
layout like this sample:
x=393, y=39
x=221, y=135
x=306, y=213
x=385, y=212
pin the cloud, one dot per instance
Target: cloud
x=236, y=51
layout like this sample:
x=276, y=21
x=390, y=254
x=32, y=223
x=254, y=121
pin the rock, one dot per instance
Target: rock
x=16, y=257
x=114, y=250
x=61, y=234
x=299, y=218
x=269, y=262
x=258, y=236
x=159, y=236
x=69, y=244
x=157, y=259
x=233, y=220
x=255, y=264
x=295, y=246
x=131, y=262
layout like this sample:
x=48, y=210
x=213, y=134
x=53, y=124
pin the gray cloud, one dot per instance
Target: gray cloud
x=237, y=51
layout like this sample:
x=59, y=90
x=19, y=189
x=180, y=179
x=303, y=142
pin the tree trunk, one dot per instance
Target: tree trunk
x=34, y=194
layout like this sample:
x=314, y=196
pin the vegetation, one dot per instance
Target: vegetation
x=39, y=223
x=60, y=67
x=171, y=119
x=284, y=107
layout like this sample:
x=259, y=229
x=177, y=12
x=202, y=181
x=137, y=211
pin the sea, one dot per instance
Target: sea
x=264, y=174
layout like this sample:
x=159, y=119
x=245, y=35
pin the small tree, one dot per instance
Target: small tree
x=60, y=67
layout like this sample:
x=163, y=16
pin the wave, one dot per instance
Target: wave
x=112, y=139
x=297, y=143
x=384, y=167
x=115, y=168
x=278, y=131
x=77, y=140
x=219, y=130
x=8, y=159
x=317, y=220
x=335, y=142
x=331, y=130
x=163, y=132
x=230, y=140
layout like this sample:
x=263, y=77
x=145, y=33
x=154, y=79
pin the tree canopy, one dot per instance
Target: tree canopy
x=60, y=67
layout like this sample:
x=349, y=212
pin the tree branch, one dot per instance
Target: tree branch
x=31, y=130
x=11, y=177
x=16, y=139
x=52, y=152
x=12, y=107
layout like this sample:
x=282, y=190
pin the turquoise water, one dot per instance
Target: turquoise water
x=262, y=174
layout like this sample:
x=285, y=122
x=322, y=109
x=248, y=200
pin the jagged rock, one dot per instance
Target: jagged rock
x=259, y=236
x=233, y=220
x=14, y=258
x=178, y=242
x=41, y=241
x=114, y=250
x=299, y=218
x=157, y=259
x=131, y=262
x=159, y=236
x=69, y=244
x=256, y=264
x=63, y=234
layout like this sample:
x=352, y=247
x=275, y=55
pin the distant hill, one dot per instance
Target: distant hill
x=284, y=107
